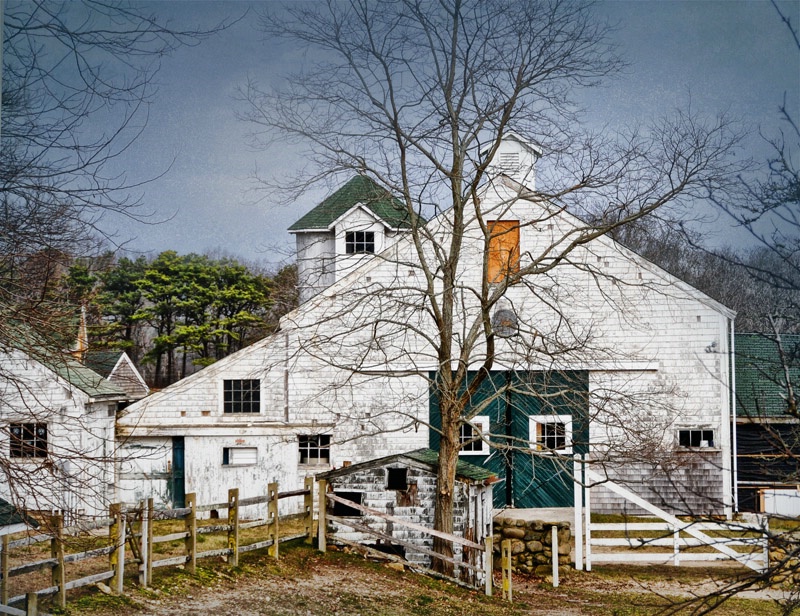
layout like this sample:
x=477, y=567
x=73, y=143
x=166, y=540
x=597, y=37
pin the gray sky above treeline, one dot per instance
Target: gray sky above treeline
x=729, y=56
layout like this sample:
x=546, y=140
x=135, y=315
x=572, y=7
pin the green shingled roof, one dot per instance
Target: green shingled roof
x=360, y=189
x=426, y=457
x=760, y=380
x=39, y=348
x=10, y=515
x=463, y=469
x=78, y=375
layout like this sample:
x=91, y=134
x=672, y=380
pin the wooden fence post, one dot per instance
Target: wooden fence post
x=113, y=539
x=144, y=543
x=554, y=553
x=190, y=521
x=150, y=519
x=59, y=574
x=308, y=509
x=505, y=562
x=31, y=604
x=488, y=565
x=587, y=518
x=119, y=538
x=578, y=501
x=4, y=568
x=272, y=519
x=233, y=526
x=322, y=491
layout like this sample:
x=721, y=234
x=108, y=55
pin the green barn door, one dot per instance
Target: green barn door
x=543, y=403
x=510, y=399
x=177, y=485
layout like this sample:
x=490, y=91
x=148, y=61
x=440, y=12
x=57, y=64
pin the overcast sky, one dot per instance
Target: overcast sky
x=717, y=56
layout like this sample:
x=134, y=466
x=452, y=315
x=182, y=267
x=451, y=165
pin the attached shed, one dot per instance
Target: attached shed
x=12, y=520
x=768, y=423
x=404, y=486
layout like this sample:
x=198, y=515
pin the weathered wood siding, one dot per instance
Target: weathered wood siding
x=353, y=362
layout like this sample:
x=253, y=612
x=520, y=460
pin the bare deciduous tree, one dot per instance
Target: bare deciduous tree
x=420, y=98
x=76, y=83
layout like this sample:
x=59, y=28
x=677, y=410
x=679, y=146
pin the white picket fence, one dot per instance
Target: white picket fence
x=672, y=541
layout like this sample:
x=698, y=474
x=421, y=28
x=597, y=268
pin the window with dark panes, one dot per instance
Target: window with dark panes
x=696, y=437
x=470, y=436
x=315, y=448
x=359, y=241
x=28, y=440
x=241, y=396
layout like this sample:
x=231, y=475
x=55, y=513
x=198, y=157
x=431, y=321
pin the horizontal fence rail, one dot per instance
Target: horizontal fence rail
x=130, y=539
x=485, y=549
x=672, y=540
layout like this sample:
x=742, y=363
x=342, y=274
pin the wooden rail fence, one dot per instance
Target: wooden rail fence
x=481, y=573
x=135, y=528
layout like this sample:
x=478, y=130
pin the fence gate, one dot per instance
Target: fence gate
x=668, y=541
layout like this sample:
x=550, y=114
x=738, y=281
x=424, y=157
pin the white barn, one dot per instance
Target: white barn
x=602, y=353
x=57, y=434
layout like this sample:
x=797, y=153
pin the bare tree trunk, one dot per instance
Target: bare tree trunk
x=445, y=481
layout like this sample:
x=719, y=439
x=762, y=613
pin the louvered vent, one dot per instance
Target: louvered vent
x=509, y=160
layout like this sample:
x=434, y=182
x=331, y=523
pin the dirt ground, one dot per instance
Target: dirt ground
x=307, y=583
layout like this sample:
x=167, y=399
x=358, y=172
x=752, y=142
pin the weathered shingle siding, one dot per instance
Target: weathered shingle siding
x=80, y=438
x=646, y=337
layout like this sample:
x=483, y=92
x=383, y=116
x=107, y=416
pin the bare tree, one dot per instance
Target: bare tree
x=77, y=80
x=420, y=98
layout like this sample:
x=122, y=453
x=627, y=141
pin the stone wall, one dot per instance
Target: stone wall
x=531, y=547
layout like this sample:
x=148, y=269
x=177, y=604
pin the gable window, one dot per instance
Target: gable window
x=356, y=242
x=241, y=396
x=239, y=456
x=503, y=249
x=470, y=437
x=551, y=433
x=28, y=440
x=696, y=437
x=315, y=448
x=397, y=479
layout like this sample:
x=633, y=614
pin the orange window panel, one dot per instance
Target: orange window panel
x=503, y=249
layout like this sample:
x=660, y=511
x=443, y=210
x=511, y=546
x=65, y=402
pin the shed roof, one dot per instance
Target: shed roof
x=10, y=515
x=359, y=190
x=760, y=378
x=427, y=458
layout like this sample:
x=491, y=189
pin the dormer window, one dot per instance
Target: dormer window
x=357, y=242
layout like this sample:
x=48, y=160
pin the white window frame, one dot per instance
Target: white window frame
x=538, y=420
x=482, y=423
x=232, y=458
x=709, y=445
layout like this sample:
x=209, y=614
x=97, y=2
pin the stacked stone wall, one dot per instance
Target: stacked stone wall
x=531, y=544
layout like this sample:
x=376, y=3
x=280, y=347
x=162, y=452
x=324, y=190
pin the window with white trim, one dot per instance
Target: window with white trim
x=471, y=443
x=28, y=440
x=696, y=437
x=551, y=433
x=239, y=456
x=315, y=448
x=241, y=396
